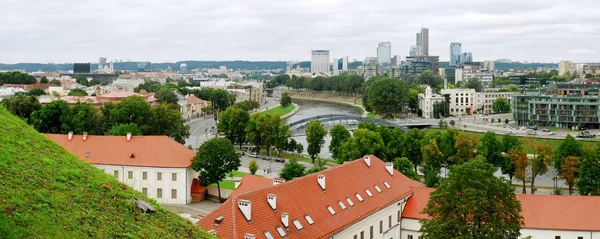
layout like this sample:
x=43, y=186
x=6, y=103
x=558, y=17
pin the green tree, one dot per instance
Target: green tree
x=167, y=121
x=490, y=207
x=82, y=80
x=452, y=123
x=166, y=95
x=395, y=146
x=82, y=119
x=433, y=160
x=490, y=148
x=319, y=165
x=465, y=149
x=588, y=178
x=539, y=164
x=299, y=148
x=474, y=83
x=44, y=80
x=220, y=99
x=339, y=134
x=233, y=124
x=406, y=167
x=285, y=99
x=77, y=92
x=22, y=105
x=364, y=142
x=509, y=142
x=569, y=170
x=315, y=137
x=55, y=82
x=53, y=118
x=568, y=147
x=386, y=95
x=253, y=167
x=291, y=170
x=36, y=92
x=412, y=146
x=214, y=159
x=123, y=129
x=133, y=109
x=501, y=106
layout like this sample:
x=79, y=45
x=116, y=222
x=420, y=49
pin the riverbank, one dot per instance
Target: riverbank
x=330, y=98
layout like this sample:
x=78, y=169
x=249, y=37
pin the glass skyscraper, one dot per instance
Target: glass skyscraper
x=455, y=52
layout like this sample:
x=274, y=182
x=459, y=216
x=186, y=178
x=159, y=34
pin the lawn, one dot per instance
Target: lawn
x=280, y=110
x=553, y=142
x=226, y=184
x=237, y=174
x=371, y=115
x=360, y=110
x=302, y=158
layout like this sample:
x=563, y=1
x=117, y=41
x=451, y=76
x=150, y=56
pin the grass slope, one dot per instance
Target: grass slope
x=46, y=192
x=281, y=111
x=552, y=142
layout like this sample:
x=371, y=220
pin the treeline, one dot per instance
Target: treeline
x=342, y=84
x=133, y=114
x=16, y=77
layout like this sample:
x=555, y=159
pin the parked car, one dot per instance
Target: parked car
x=551, y=133
x=279, y=160
x=546, y=130
x=533, y=127
x=531, y=132
x=511, y=132
x=585, y=135
x=253, y=155
x=241, y=153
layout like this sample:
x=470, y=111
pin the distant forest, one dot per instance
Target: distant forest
x=237, y=65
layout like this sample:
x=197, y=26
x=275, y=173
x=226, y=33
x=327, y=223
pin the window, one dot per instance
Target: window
x=309, y=219
x=371, y=232
x=342, y=205
x=297, y=224
x=116, y=173
x=387, y=185
x=410, y=237
x=268, y=235
x=174, y=194
x=174, y=177
x=579, y=237
x=350, y=202
x=556, y=237
x=331, y=210
x=145, y=191
x=144, y=175
x=399, y=215
x=159, y=176
x=369, y=193
x=362, y=235
x=281, y=232
x=390, y=221
x=377, y=188
x=130, y=174
x=359, y=197
x=355, y=237
x=381, y=226
x=159, y=193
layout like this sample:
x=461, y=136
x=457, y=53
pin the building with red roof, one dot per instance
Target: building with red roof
x=157, y=166
x=194, y=106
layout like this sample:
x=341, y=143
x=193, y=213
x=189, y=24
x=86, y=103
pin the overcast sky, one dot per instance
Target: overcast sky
x=167, y=31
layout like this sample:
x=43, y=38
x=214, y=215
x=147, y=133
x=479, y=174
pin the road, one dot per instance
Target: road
x=264, y=165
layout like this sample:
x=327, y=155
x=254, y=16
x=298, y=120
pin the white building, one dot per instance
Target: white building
x=462, y=101
x=426, y=102
x=384, y=54
x=566, y=66
x=489, y=66
x=183, y=68
x=157, y=166
x=370, y=67
x=319, y=62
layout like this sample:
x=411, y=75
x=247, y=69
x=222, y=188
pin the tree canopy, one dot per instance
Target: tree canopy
x=315, y=136
x=292, y=169
x=77, y=92
x=215, y=158
x=285, y=99
x=363, y=142
x=386, y=95
x=165, y=95
x=339, y=134
x=233, y=124
x=501, y=106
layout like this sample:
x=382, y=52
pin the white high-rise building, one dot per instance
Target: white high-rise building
x=489, y=66
x=424, y=42
x=183, y=68
x=413, y=51
x=319, y=62
x=340, y=64
x=384, y=54
x=419, y=46
x=455, y=52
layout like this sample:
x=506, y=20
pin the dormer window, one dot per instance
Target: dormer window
x=132, y=156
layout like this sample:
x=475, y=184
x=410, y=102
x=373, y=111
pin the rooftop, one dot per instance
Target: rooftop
x=144, y=151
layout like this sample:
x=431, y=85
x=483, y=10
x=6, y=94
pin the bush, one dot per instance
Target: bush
x=253, y=166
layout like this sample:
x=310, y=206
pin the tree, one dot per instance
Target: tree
x=22, y=105
x=452, y=123
x=167, y=121
x=339, y=134
x=315, y=137
x=123, y=129
x=490, y=148
x=501, y=106
x=489, y=208
x=166, y=95
x=214, y=159
x=395, y=146
x=568, y=147
x=406, y=167
x=509, y=142
x=569, y=170
x=519, y=159
x=299, y=148
x=55, y=82
x=233, y=124
x=77, y=92
x=539, y=164
x=441, y=109
x=220, y=99
x=506, y=121
x=291, y=145
x=364, y=142
x=412, y=146
x=465, y=149
x=291, y=170
x=253, y=167
x=588, y=180
x=285, y=99
x=474, y=83
x=432, y=162
x=319, y=165
x=53, y=118
x=133, y=109
x=36, y=92
x=386, y=95
x=82, y=80
x=44, y=80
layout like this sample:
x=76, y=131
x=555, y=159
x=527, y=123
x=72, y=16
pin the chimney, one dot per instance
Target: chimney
x=389, y=166
x=237, y=183
x=213, y=232
x=367, y=160
x=278, y=181
x=249, y=236
x=128, y=136
x=285, y=219
x=85, y=136
x=246, y=207
x=272, y=200
x=70, y=135
x=321, y=180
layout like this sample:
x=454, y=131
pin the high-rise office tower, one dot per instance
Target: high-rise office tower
x=466, y=57
x=455, y=52
x=424, y=42
x=319, y=62
x=340, y=64
x=413, y=51
x=183, y=68
x=419, y=46
x=384, y=53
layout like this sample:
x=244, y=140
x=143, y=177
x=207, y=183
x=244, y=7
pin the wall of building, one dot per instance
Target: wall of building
x=410, y=227
x=388, y=232
x=151, y=184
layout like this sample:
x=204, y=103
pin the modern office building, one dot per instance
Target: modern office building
x=559, y=105
x=455, y=52
x=319, y=62
x=419, y=46
x=434, y=60
x=566, y=66
x=340, y=65
x=413, y=51
x=524, y=81
x=424, y=42
x=144, y=66
x=466, y=57
x=396, y=61
x=83, y=68
x=183, y=69
x=370, y=67
x=489, y=66
x=384, y=54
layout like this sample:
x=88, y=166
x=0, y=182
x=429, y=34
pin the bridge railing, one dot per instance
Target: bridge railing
x=334, y=117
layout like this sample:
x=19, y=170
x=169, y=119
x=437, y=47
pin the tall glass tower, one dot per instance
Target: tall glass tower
x=455, y=52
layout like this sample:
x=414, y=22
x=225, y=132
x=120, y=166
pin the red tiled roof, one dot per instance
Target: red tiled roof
x=118, y=94
x=251, y=183
x=304, y=196
x=145, y=151
x=538, y=211
x=192, y=100
x=93, y=100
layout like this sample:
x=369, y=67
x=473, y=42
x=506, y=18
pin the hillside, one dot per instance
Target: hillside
x=46, y=192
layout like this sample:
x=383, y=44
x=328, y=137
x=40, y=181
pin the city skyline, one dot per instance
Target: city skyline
x=69, y=31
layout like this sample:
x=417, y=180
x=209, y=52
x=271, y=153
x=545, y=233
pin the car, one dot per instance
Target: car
x=511, y=132
x=241, y=153
x=546, y=130
x=279, y=160
x=253, y=155
x=551, y=133
x=533, y=127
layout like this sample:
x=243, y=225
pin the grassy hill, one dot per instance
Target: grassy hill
x=46, y=192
